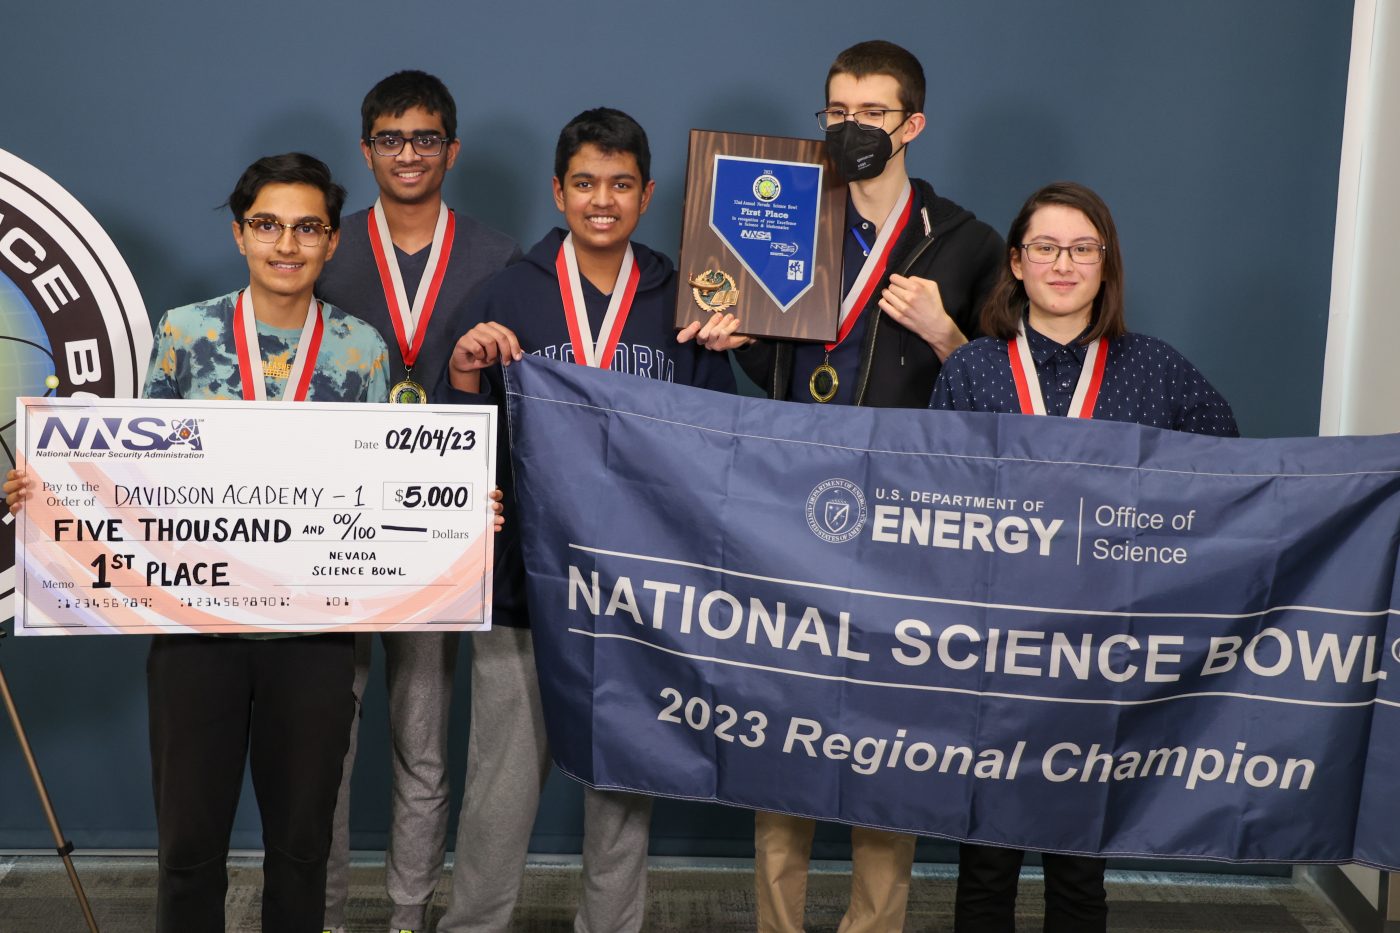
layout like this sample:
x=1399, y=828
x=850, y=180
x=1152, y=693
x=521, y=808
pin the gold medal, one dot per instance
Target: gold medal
x=823, y=382
x=408, y=392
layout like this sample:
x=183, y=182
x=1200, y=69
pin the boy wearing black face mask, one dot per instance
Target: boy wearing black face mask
x=916, y=266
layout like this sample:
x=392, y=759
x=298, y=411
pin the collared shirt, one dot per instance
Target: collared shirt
x=859, y=240
x=1145, y=382
x=1058, y=366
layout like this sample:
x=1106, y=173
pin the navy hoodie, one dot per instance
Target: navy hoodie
x=525, y=298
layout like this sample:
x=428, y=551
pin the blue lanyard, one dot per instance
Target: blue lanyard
x=855, y=232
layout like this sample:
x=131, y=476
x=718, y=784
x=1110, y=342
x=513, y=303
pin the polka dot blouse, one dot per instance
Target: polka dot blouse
x=1145, y=382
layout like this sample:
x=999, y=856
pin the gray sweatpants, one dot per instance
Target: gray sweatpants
x=419, y=669
x=507, y=762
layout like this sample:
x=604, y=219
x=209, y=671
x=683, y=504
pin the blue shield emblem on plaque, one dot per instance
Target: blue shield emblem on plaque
x=766, y=213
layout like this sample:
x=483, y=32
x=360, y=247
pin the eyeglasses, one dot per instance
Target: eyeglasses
x=831, y=119
x=306, y=232
x=426, y=145
x=1084, y=254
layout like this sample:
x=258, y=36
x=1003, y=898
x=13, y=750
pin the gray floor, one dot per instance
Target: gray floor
x=685, y=896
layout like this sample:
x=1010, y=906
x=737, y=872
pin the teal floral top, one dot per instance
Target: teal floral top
x=195, y=357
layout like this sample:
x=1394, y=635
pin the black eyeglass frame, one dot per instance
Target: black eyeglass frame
x=1098, y=254
x=442, y=144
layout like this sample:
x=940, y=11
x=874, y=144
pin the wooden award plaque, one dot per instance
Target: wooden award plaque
x=762, y=235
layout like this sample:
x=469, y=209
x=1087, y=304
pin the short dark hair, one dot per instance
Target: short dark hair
x=1001, y=314
x=611, y=131
x=878, y=57
x=404, y=89
x=290, y=168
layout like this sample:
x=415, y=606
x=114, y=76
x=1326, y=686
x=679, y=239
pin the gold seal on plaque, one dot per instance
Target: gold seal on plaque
x=714, y=290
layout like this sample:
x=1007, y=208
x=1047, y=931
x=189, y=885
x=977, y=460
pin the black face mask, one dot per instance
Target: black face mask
x=860, y=152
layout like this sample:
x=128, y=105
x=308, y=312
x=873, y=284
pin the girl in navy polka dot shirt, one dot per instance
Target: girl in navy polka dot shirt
x=1058, y=303
x=1058, y=346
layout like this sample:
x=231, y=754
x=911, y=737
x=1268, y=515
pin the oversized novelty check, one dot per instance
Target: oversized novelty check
x=160, y=517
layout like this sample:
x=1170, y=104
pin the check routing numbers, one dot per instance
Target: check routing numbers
x=336, y=511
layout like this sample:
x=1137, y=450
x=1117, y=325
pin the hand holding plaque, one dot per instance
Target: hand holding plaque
x=761, y=236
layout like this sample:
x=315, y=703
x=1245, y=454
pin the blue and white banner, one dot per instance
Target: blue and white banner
x=1054, y=634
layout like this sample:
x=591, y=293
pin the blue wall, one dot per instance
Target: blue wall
x=1212, y=129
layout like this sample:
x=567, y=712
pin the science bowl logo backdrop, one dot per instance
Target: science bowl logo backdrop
x=72, y=322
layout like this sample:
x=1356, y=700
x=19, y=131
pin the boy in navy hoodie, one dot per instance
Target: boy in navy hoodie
x=590, y=295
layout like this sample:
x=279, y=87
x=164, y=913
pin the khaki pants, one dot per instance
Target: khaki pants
x=880, y=866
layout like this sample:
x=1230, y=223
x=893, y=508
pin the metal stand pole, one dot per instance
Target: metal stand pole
x=65, y=848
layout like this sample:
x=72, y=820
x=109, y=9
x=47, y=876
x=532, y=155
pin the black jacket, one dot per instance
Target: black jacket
x=898, y=369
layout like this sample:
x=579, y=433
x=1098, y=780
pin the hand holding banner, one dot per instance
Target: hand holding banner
x=1044, y=633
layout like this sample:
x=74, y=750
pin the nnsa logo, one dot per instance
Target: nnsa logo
x=139, y=434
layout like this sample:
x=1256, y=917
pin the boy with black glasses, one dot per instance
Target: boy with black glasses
x=408, y=265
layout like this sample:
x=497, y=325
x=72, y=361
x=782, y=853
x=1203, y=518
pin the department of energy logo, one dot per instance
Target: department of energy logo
x=836, y=510
x=72, y=322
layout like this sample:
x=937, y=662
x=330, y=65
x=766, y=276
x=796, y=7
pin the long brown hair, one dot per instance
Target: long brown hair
x=1001, y=312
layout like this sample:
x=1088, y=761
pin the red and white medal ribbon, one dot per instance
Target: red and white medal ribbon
x=410, y=321
x=1086, y=391
x=588, y=351
x=250, y=360
x=872, y=272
